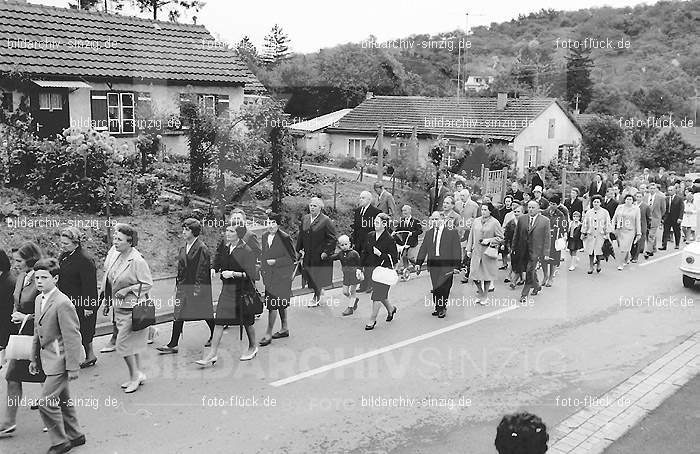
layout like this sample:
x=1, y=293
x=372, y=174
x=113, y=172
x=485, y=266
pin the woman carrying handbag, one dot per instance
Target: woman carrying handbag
x=482, y=248
x=381, y=254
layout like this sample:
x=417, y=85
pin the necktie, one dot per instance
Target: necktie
x=435, y=236
x=668, y=205
x=532, y=221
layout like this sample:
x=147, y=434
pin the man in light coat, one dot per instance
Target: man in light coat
x=657, y=207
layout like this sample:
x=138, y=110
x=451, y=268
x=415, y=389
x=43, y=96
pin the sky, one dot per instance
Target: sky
x=315, y=24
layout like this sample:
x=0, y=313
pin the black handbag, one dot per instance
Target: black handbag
x=143, y=314
x=252, y=300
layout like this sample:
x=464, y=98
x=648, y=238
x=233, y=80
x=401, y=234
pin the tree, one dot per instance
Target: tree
x=578, y=77
x=533, y=71
x=174, y=8
x=668, y=150
x=276, y=48
x=247, y=52
x=603, y=139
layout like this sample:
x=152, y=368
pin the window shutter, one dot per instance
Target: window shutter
x=222, y=105
x=538, y=160
x=144, y=111
x=98, y=110
x=7, y=102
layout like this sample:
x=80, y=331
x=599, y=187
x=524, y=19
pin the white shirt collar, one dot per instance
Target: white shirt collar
x=28, y=277
x=45, y=297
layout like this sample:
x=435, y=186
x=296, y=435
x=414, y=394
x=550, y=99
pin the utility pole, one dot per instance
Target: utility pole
x=380, y=153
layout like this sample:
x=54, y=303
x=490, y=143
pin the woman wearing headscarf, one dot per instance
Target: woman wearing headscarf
x=77, y=279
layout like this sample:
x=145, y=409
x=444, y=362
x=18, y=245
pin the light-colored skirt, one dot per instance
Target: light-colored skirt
x=625, y=238
x=128, y=342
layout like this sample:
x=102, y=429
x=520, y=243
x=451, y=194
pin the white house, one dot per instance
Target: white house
x=310, y=137
x=532, y=131
x=476, y=84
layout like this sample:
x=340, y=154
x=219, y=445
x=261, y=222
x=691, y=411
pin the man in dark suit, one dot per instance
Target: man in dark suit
x=538, y=178
x=316, y=242
x=673, y=217
x=609, y=202
x=56, y=350
x=238, y=218
x=597, y=187
x=442, y=193
x=193, y=299
x=444, y=253
x=277, y=268
x=531, y=243
x=574, y=203
x=362, y=225
x=617, y=181
x=644, y=221
x=661, y=179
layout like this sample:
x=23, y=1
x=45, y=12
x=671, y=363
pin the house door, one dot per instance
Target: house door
x=50, y=112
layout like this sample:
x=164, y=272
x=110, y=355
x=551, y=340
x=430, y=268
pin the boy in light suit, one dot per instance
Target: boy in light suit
x=57, y=351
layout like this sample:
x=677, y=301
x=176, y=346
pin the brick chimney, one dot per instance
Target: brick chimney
x=501, y=101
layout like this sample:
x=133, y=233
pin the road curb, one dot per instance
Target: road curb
x=594, y=428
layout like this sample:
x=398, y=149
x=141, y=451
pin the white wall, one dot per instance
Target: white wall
x=536, y=134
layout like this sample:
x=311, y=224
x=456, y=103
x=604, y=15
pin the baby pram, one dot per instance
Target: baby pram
x=406, y=266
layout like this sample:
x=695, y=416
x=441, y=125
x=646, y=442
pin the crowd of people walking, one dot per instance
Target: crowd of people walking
x=523, y=237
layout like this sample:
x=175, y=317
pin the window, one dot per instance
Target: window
x=356, y=148
x=449, y=158
x=120, y=113
x=550, y=130
x=208, y=104
x=533, y=156
x=50, y=101
x=569, y=154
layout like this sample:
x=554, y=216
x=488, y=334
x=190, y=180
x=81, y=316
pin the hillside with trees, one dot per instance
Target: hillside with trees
x=654, y=72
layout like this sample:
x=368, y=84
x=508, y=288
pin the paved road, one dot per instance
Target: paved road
x=444, y=383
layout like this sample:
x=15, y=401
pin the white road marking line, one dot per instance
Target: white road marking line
x=651, y=262
x=388, y=348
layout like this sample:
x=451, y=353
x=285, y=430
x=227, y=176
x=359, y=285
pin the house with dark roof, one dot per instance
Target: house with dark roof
x=532, y=131
x=120, y=74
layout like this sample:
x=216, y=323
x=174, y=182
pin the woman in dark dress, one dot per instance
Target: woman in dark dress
x=7, y=289
x=517, y=266
x=316, y=243
x=77, y=278
x=380, y=250
x=559, y=223
x=235, y=260
x=25, y=295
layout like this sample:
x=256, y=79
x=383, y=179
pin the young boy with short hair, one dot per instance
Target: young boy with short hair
x=56, y=350
x=352, y=272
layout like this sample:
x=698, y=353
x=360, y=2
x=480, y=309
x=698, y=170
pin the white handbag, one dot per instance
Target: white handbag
x=19, y=346
x=386, y=276
x=560, y=244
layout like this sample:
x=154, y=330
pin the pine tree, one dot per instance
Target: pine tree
x=276, y=48
x=578, y=77
x=247, y=51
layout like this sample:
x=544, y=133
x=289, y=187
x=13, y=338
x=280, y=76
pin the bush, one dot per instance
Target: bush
x=347, y=163
x=148, y=188
x=147, y=147
x=319, y=158
x=71, y=170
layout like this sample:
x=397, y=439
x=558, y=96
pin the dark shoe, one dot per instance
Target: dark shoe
x=78, y=441
x=87, y=364
x=348, y=311
x=280, y=334
x=167, y=350
x=502, y=267
x=662, y=248
x=676, y=247
x=442, y=314
x=361, y=289
x=208, y=344
x=435, y=313
x=464, y=281
x=523, y=299
x=536, y=291
x=548, y=284
x=60, y=449
x=390, y=317
x=492, y=289
x=34, y=407
x=265, y=341
x=370, y=327
x=634, y=260
x=590, y=271
x=506, y=280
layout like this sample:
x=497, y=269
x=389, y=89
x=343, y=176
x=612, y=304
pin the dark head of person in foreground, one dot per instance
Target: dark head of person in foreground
x=521, y=433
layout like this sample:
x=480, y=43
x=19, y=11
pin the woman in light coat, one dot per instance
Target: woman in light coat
x=486, y=232
x=126, y=281
x=595, y=230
